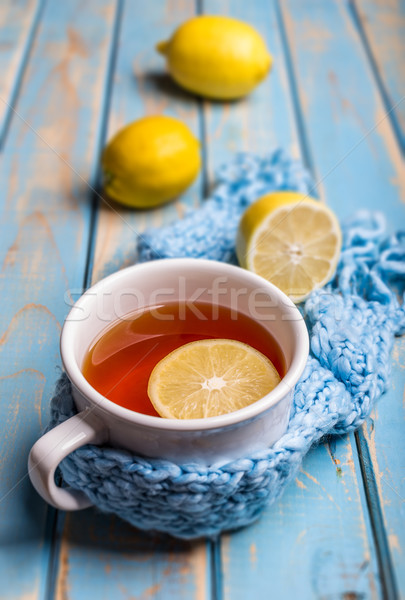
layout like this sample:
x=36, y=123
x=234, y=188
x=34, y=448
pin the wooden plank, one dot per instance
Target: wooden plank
x=18, y=22
x=103, y=557
x=44, y=232
x=264, y=120
x=384, y=437
x=382, y=27
x=121, y=561
x=346, y=124
x=316, y=541
x=310, y=544
x=359, y=162
x=142, y=87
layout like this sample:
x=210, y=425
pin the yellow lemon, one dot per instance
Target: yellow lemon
x=150, y=162
x=291, y=240
x=210, y=377
x=217, y=57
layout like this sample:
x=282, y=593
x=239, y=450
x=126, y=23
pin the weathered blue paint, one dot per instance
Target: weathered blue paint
x=335, y=502
x=359, y=164
x=43, y=247
x=384, y=436
x=103, y=557
x=382, y=27
x=18, y=24
x=312, y=543
x=320, y=101
x=131, y=563
x=356, y=156
x=387, y=575
x=142, y=87
x=265, y=119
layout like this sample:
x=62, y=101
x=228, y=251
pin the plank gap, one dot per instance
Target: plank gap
x=214, y=545
x=303, y=138
x=389, y=105
x=16, y=86
x=55, y=523
x=205, y=184
x=95, y=172
x=58, y=519
x=389, y=590
x=217, y=591
x=387, y=577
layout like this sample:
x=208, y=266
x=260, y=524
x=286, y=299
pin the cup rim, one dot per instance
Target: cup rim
x=247, y=413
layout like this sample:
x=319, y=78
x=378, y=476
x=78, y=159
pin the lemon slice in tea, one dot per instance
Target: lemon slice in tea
x=291, y=240
x=210, y=377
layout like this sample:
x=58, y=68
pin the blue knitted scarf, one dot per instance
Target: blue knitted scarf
x=352, y=323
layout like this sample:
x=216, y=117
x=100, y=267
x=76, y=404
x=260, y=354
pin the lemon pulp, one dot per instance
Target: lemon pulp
x=210, y=377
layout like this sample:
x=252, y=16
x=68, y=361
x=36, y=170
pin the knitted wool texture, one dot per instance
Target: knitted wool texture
x=352, y=324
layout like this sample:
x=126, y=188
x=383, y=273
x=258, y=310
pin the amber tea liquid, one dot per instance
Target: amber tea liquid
x=120, y=360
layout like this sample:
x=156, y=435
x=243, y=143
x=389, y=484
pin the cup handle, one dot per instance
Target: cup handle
x=53, y=447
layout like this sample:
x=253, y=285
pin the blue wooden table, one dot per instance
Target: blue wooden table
x=72, y=73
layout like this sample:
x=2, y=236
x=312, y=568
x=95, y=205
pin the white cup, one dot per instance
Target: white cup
x=214, y=440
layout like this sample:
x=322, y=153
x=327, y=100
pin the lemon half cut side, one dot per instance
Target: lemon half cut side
x=291, y=240
x=210, y=377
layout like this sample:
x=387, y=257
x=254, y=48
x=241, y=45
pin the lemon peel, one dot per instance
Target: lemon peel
x=150, y=161
x=217, y=57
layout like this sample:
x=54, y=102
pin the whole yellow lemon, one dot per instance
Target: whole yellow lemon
x=217, y=57
x=150, y=162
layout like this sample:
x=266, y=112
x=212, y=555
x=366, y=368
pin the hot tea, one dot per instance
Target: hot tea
x=120, y=360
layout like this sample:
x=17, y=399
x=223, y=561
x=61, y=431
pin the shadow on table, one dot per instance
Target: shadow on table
x=109, y=534
x=163, y=83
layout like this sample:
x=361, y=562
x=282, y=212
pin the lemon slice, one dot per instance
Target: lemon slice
x=210, y=377
x=291, y=240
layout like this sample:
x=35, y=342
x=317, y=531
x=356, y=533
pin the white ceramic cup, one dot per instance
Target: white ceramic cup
x=214, y=440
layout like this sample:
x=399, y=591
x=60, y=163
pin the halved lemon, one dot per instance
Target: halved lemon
x=210, y=377
x=291, y=240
